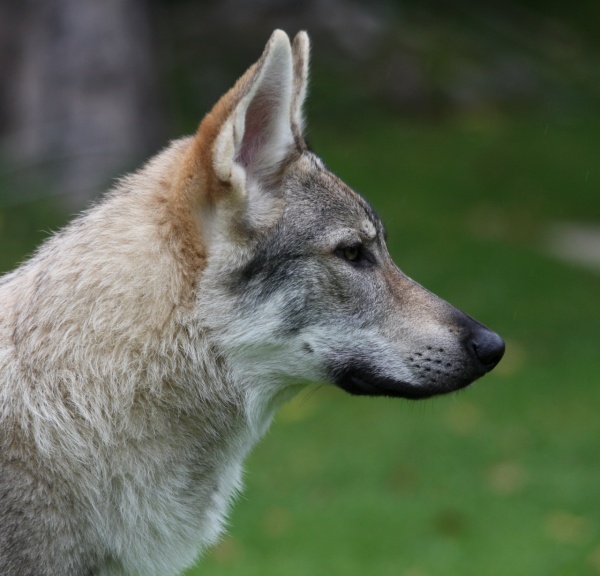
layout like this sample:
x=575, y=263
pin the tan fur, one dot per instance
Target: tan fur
x=145, y=347
x=115, y=402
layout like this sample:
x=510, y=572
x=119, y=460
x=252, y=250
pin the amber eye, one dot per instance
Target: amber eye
x=351, y=253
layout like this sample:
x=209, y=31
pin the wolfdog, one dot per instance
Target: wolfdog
x=145, y=347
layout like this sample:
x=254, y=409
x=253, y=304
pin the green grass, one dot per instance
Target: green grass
x=501, y=479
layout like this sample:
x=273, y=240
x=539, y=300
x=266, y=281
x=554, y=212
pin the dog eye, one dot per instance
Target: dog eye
x=351, y=253
x=357, y=255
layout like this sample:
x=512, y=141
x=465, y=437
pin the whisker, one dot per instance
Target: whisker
x=310, y=393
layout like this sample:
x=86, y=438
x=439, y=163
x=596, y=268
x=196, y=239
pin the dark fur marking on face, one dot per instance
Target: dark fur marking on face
x=272, y=271
x=268, y=263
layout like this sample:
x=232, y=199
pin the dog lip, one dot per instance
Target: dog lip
x=359, y=381
x=372, y=386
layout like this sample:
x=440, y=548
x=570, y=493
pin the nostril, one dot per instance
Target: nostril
x=488, y=347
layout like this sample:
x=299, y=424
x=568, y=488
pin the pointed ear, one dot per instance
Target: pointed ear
x=252, y=121
x=300, y=56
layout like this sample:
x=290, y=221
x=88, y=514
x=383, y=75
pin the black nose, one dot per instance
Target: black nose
x=487, y=345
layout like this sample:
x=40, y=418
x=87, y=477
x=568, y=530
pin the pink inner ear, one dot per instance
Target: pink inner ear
x=258, y=128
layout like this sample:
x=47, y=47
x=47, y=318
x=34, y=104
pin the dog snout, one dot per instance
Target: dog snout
x=486, y=345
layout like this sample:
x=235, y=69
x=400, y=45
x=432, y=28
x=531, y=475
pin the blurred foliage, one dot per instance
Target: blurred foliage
x=25, y=224
x=429, y=59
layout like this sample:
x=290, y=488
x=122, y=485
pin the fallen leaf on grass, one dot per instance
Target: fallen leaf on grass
x=506, y=478
x=567, y=528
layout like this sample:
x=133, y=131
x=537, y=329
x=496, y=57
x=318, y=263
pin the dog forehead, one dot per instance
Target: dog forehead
x=316, y=193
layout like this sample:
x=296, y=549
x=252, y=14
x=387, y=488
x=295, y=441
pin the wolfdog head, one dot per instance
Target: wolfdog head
x=299, y=285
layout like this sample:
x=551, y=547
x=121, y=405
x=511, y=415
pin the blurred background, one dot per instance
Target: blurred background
x=474, y=130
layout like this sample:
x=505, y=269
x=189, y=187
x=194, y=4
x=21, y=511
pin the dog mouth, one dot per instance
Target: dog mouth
x=434, y=370
x=360, y=381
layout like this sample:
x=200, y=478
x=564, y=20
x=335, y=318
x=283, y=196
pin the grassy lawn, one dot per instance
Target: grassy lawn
x=501, y=479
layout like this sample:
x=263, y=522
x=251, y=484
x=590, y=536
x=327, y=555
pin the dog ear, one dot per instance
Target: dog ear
x=254, y=133
x=301, y=56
